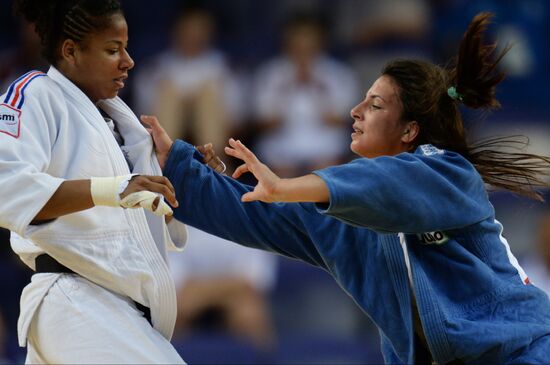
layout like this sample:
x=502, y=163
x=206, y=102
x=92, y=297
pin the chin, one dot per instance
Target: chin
x=353, y=148
x=111, y=95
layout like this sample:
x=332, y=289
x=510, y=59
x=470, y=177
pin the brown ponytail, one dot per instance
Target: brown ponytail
x=430, y=95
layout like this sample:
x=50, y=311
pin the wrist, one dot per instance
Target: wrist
x=163, y=157
x=280, y=190
x=106, y=191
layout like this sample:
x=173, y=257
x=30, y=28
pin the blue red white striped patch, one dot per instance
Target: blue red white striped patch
x=10, y=109
x=16, y=92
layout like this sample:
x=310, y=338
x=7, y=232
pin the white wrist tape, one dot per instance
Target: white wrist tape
x=145, y=199
x=106, y=190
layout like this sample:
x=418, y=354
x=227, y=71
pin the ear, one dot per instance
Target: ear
x=69, y=51
x=410, y=132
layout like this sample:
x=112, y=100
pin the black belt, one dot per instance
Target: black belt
x=45, y=263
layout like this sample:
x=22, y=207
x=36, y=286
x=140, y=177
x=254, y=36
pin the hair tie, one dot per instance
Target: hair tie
x=455, y=95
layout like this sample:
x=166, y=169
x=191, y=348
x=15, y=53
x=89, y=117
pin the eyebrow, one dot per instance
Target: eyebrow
x=115, y=41
x=378, y=96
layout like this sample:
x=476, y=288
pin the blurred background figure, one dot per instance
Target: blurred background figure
x=372, y=32
x=224, y=288
x=189, y=86
x=302, y=100
x=23, y=57
x=537, y=262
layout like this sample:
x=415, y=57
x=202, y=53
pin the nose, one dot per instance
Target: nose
x=127, y=63
x=357, y=111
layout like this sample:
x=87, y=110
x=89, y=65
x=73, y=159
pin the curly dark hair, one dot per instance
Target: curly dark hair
x=57, y=20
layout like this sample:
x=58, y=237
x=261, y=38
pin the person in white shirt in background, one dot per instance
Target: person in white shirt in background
x=302, y=99
x=189, y=87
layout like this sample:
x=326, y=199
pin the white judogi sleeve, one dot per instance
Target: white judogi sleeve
x=27, y=135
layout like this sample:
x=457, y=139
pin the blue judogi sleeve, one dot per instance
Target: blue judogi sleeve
x=410, y=193
x=212, y=202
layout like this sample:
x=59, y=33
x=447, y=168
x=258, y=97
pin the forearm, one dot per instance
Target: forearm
x=309, y=188
x=126, y=191
x=212, y=203
x=72, y=196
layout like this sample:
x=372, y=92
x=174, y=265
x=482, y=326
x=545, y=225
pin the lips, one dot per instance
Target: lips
x=356, y=131
x=120, y=81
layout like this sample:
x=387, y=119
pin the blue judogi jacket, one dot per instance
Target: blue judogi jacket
x=474, y=301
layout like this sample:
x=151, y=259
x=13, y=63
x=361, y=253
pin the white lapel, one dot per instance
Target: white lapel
x=138, y=145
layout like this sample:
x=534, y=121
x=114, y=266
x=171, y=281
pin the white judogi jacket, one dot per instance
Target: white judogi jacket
x=51, y=131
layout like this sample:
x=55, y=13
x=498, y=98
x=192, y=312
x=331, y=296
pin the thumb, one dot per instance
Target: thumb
x=248, y=197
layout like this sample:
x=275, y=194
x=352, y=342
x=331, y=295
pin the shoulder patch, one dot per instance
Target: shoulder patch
x=10, y=120
x=429, y=150
x=10, y=109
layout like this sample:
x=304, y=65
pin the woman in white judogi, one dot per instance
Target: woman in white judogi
x=64, y=170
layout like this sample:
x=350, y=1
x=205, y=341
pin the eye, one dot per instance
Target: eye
x=112, y=51
x=375, y=107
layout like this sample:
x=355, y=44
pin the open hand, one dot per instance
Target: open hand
x=266, y=189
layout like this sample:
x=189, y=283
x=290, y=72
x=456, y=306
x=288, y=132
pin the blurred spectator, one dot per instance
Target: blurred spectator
x=370, y=22
x=302, y=102
x=25, y=57
x=224, y=287
x=537, y=263
x=372, y=32
x=189, y=87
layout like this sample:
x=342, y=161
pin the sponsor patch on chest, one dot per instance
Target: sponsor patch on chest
x=10, y=120
x=433, y=238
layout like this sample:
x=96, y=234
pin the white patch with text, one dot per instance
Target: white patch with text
x=433, y=238
x=10, y=119
x=429, y=150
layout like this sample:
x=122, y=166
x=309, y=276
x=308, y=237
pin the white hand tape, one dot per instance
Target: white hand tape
x=145, y=199
x=105, y=190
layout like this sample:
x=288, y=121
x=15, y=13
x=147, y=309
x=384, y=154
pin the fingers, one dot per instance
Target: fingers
x=211, y=159
x=243, y=149
x=218, y=165
x=151, y=121
x=155, y=184
x=239, y=171
x=147, y=200
x=207, y=151
x=239, y=150
x=155, y=203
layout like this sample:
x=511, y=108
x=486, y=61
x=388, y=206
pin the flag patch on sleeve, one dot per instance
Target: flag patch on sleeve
x=10, y=120
x=10, y=109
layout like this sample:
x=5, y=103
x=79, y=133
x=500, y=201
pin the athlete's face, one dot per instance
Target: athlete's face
x=378, y=129
x=101, y=61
